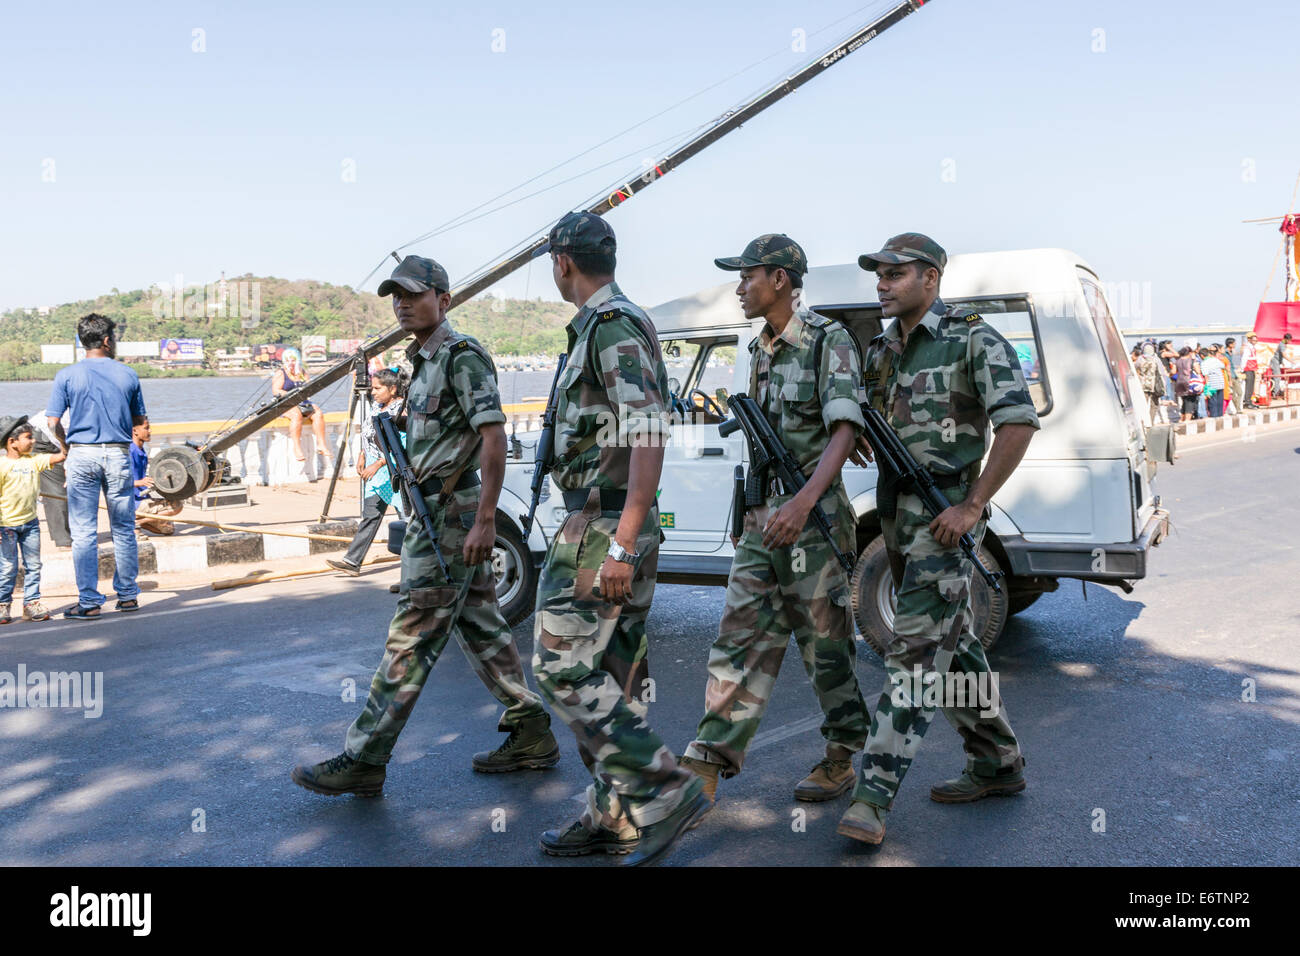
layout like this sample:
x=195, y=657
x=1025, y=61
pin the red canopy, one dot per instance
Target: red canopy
x=1274, y=318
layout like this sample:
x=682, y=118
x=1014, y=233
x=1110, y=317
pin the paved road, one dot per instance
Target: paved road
x=1129, y=706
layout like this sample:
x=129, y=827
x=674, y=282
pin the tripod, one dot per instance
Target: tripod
x=360, y=393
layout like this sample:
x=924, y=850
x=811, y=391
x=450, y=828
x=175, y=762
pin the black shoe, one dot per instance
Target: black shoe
x=130, y=604
x=82, y=613
x=577, y=840
x=657, y=838
x=340, y=775
x=347, y=567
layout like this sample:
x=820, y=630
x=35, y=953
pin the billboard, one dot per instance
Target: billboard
x=130, y=350
x=344, y=346
x=181, y=350
x=61, y=354
x=313, y=348
x=267, y=354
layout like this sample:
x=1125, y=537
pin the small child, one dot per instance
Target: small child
x=144, y=504
x=20, y=531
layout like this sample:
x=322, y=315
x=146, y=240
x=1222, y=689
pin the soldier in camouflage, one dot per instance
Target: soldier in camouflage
x=941, y=377
x=806, y=376
x=590, y=653
x=454, y=423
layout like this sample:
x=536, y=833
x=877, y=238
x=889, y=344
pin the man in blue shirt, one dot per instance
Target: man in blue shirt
x=104, y=402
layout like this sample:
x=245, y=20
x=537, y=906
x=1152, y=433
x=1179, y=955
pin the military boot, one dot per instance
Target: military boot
x=863, y=821
x=708, y=774
x=578, y=839
x=970, y=786
x=832, y=776
x=340, y=775
x=530, y=746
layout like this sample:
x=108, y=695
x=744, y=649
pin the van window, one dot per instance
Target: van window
x=1014, y=319
x=1117, y=358
x=1012, y=316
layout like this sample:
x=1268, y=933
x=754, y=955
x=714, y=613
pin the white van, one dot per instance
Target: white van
x=1082, y=504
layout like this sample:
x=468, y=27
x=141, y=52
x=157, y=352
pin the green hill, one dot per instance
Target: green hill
x=289, y=309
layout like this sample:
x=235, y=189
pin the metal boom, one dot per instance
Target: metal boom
x=619, y=195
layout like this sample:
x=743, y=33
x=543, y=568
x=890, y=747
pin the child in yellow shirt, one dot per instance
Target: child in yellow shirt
x=20, y=531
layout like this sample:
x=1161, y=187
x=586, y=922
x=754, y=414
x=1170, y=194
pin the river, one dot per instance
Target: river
x=232, y=397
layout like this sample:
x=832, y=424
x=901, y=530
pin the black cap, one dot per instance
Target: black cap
x=416, y=274
x=7, y=425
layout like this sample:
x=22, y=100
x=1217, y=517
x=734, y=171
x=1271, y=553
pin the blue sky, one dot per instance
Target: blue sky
x=1142, y=158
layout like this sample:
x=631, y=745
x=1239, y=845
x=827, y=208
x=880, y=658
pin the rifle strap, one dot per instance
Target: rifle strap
x=578, y=448
x=449, y=486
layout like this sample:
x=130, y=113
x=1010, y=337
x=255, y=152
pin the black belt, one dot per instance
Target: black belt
x=611, y=499
x=949, y=482
x=433, y=486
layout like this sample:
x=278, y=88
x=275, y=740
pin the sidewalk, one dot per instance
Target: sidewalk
x=1274, y=414
x=204, y=550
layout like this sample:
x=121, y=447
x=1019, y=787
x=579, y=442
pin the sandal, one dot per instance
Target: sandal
x=130, y=604
x=82, y=613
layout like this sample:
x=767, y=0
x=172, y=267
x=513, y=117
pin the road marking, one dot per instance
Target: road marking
x=793, y=729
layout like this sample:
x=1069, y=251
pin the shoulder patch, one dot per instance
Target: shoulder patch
x=973, y=317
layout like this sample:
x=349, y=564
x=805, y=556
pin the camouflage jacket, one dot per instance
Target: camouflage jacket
x=955, y=377
x=613, y=393
x=801, y=398
x=453, y=394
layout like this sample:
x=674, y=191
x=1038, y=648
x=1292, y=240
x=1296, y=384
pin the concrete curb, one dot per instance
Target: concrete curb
x=1258, y=416
x=163, y=555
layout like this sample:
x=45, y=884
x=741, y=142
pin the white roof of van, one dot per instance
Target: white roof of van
x=1038, y=272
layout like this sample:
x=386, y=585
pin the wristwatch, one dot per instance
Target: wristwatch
x=620, y=553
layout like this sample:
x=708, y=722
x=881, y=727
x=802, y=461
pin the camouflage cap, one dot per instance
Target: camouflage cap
x=908, y=247
x=416, y=274
x=581, y=232
x=774, y=249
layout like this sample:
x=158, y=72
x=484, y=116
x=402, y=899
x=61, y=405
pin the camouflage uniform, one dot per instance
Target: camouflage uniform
x=453, y=394
x=940, y=392
x=590, y=656
x=802, y=588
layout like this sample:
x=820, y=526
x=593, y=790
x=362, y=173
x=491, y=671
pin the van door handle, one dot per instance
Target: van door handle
x=713, y=452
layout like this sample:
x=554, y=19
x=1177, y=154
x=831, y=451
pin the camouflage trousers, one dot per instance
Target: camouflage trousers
x=590, y=661
x=770, y=594
x=430, y=609
x=933, y=635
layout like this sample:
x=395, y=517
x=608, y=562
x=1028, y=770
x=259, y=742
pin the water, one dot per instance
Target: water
x=229, y=397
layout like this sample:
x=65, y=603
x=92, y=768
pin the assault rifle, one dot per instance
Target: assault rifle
x=769, y=458
x=543, y=461
x=896, y=464
x=403, y=479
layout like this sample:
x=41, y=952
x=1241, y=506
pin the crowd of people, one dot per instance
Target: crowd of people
x=1195, y=381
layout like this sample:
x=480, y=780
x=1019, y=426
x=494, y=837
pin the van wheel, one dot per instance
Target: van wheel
x=512, y=565
x=871, y=592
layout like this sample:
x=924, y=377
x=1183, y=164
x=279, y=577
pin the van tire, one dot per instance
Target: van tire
x=512, y=565
x=871, y=593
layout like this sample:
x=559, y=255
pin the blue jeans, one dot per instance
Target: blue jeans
x=25, y=538
x=92, y=469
